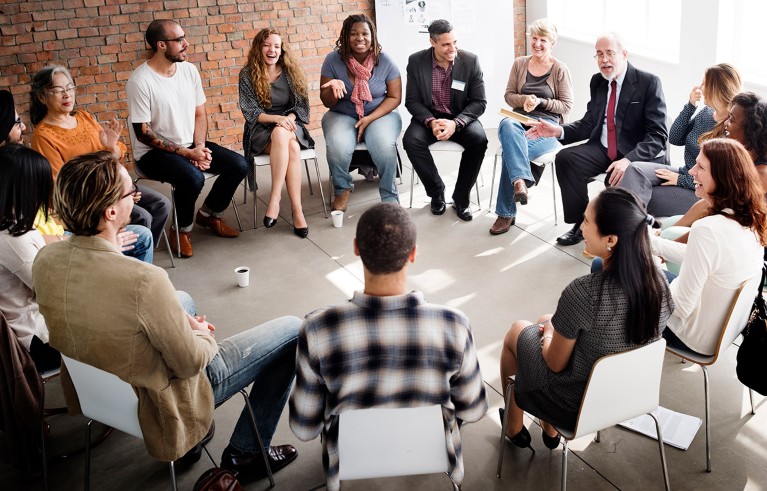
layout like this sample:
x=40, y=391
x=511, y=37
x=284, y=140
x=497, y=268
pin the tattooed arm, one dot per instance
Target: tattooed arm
x=199, y=155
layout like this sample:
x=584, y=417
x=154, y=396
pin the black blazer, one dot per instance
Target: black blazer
x=640, y=117
x=468, y=104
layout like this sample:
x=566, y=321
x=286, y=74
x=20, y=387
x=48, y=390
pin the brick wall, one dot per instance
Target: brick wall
x=102, y=41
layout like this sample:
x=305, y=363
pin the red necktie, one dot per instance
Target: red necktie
x=612, y=140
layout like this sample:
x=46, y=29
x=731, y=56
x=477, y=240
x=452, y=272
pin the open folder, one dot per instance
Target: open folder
x=526, y=120
x=678, y=429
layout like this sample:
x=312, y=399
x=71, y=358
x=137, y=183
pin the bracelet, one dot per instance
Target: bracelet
x=543, y=338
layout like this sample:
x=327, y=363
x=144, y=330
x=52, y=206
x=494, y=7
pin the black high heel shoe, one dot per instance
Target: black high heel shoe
x=551, y=442
x=269, y=222
x=521, y=439
x=301, y=232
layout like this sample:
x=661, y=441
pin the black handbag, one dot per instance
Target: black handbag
x=752, y=354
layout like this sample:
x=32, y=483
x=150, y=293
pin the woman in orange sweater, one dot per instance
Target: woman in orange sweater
x=61, y=133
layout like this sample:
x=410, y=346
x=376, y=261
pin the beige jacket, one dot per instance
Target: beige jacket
x=559, y=81
x=122, y=316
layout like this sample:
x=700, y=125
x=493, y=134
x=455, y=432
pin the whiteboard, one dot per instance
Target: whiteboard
x=486, y=28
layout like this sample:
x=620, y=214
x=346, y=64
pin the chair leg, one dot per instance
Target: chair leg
x=662, y=452
x=258, y=438
x=751, y=397
x=309, y=177
x=412, y=181
x=708, y=431
x=554, y=193
x=255, y=200
x=164, y=235
x=598, y=438
x=319, y=185
x=175, y=219
x=476, y=188
x=172, y=476
x=506, y=402
x=563, y=486
x=492, y=182
x=209, y=456
x=87, y=482
x=236, y=214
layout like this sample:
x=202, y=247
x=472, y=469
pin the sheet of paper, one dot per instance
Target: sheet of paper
x=678, y=429
x=519, y=117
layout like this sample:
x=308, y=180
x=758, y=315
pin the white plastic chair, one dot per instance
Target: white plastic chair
x=443, y=146
x=106, y=398
x=386, y=442
x=621, y=386
x=733, y=325
x=542, y=161
x=306, y=155
x=140, y=175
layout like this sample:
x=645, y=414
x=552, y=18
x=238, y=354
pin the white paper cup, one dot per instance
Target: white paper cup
x=338, y=218
x=243, y=276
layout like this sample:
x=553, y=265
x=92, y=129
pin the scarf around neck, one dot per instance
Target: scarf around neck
x=361, y=91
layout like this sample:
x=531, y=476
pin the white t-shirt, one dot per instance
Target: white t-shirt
x=167, y=103
x=719, y=255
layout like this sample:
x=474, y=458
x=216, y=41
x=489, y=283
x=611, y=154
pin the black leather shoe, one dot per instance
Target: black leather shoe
x=571, y=237
x=463, y=213
x=193, y=455
x=302, y=232
x=251, y=465
x=438, y=204
x=269, y=222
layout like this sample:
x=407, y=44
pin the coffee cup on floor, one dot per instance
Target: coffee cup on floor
x=243, y=276
x=338, y=218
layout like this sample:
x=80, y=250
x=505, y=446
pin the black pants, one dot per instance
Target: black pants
x=45, y=357
x=416, y=141
x=574, y=166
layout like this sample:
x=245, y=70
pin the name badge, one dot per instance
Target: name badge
x=458, y=85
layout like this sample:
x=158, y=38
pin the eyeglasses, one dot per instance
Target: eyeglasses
x=133, y=192
x=179, y=39
x=69, y=89
x=608, y=55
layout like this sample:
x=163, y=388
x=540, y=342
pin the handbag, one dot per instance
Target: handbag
x=752, y=354
x=218, y=479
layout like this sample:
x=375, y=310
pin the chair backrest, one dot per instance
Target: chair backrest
x=384, y=442
x=446, y=146
x=621, y=386
x=740, y=310
x=104, y=397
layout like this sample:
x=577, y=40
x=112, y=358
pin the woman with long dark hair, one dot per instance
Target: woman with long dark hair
x=622, y=306
x=274, y=100
x=361, y=86
x=26, y=184
x=723, y=249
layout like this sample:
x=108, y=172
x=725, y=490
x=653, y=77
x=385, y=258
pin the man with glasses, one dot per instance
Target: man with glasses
x=11, y=126
x=168, y=128
x=625, y=121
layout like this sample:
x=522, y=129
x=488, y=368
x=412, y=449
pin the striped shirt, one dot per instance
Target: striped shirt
x=394, y=351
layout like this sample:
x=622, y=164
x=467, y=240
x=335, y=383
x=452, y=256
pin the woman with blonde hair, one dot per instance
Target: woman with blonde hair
x=274, y=100
x=665, y=191
x=724, y=248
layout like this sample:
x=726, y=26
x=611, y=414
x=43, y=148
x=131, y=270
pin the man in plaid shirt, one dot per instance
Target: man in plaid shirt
x=385, y=347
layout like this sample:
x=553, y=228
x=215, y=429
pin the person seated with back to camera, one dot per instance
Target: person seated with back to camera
x=346, y=351
x=274, y=101
x=622, y=306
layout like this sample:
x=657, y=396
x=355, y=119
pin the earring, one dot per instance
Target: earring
x=610, y=249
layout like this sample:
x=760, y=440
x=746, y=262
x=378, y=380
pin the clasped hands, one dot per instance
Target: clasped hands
x=200, y=156
x=443, y=129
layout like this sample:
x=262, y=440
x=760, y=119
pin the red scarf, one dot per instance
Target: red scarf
x=361, y=90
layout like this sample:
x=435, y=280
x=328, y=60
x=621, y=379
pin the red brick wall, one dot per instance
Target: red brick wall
x=102, y=41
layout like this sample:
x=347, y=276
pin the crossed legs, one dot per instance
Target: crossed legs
x=285, y=163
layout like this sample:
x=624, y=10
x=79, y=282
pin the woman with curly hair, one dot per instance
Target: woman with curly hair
x=274, y=101
x=362, y=88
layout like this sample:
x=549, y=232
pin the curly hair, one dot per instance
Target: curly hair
x=753, y=125
x=385, y=238
x=722, y=83
x=257, y=66
x=737, y=185
x=342, y=43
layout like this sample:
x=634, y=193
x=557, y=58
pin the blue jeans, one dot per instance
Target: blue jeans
x=266, y=357
x=143, y=248
x=188, y=180
x=381, y=139
x=518, y=150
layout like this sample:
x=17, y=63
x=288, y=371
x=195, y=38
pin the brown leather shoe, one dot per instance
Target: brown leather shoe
x=502, y=225
x=251, y=465
x=184, y=239
x=217, y=224
x=341, y=201
x=520, y=191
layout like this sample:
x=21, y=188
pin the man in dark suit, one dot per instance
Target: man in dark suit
x=635, y=132
x=445, y=95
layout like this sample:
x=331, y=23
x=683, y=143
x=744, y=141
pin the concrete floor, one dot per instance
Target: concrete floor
x=495, y=280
